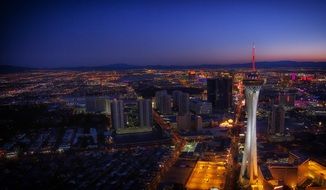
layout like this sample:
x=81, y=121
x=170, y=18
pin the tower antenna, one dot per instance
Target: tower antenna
x=253, y=57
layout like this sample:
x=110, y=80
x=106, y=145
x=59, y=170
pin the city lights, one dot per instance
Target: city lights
x=163, y=95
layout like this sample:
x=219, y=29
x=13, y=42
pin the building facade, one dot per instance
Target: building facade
x=276, y=120
x=145, y=113
x=98, y=105
x=117, y=114
x=219, y=92
x=163, y=102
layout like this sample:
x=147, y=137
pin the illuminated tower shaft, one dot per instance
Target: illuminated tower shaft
x=249, y=168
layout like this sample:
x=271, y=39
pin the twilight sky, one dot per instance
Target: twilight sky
x=57, y=34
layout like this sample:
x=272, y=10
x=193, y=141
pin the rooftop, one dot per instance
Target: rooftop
x=207, y=175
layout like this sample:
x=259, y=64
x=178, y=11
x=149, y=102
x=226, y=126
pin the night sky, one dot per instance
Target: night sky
x=38, y=34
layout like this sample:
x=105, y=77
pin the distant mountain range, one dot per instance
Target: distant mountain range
x=262, y=65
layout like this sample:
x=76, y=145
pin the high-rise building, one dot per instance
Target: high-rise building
x=145, y=112
x=98, y=105
x=158, y=95
x=219, y=92
x=198, y=123
x=200, y=107
x=181, y=101
x=117, y=114
x=276, y=120
x=184, y=104
x=163, y=102
x=175, y=95
x=249, y=168
x=184, y=121
x=287, y=99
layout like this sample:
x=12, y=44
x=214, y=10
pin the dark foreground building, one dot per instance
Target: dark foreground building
x=219, y=92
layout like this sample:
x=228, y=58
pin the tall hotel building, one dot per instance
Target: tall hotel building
x=145, y=112
x=117, y=114
x=163, y=102
x=219, y=92
x=181, y=101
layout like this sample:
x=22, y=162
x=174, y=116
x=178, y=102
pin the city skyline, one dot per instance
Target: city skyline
x=63, y=34
x=157, y=128
x=163, y=95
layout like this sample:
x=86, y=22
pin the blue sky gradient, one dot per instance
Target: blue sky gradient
x=57, y=34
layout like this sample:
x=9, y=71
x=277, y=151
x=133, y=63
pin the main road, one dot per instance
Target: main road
x=233, y=166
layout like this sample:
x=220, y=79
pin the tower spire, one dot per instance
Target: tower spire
x=253, y=57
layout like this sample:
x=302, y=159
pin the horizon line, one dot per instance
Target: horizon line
x=172, y=64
